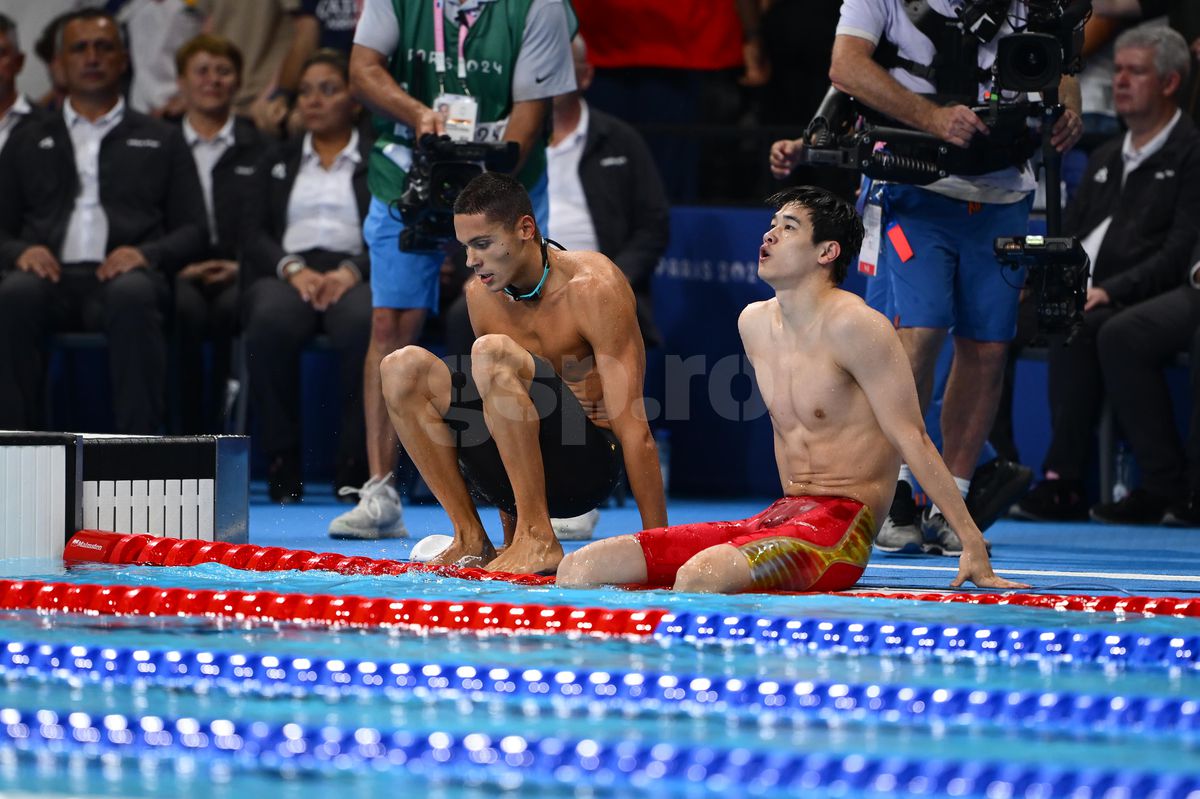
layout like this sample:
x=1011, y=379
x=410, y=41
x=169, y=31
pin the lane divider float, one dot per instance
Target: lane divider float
x=260, y=745
x=746, y=701
x=838, y=636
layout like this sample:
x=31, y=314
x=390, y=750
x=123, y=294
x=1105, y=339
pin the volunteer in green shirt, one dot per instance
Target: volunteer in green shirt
x=492, y=66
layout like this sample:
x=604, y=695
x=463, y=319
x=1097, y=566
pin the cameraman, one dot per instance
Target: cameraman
x=937, y=252
x=497, y=63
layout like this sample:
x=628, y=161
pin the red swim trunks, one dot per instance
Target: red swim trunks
x=797, y=544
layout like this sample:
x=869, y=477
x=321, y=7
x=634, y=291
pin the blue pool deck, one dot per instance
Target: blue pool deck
x=1078, y=558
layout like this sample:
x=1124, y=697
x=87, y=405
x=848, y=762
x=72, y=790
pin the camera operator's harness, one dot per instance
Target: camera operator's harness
x=953, y=47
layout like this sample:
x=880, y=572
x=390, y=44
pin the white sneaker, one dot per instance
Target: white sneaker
x=576, y=528
x=377, y=514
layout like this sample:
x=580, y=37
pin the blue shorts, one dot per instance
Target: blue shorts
x=953, y=279
x=410, y=280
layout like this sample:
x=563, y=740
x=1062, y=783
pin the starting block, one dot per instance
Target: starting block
x=54, y=484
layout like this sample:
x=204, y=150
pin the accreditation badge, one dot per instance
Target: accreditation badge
x=868, y=254
x=459, y=112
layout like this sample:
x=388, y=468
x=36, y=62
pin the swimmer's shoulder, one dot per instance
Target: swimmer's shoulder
x=854, y=329
x=757, y=315
x=848, y=313
x=594, y=278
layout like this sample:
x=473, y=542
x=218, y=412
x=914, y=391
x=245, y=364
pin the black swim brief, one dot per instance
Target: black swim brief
x=582, y=461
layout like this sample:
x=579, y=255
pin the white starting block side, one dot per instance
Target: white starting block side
x=183, y=487
x=39, y=509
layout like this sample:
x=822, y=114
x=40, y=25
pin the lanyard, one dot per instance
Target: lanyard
x=465, y=21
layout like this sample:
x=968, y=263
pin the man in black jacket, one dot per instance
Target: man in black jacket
x=1137, y=213
x=226, y=150
x=99, y=204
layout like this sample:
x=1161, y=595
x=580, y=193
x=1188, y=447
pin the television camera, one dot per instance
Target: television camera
x=441, y=168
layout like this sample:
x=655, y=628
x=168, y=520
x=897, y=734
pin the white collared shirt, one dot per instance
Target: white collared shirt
x=87, y=230
x=206, y=153
x=15, y=113
x=570, y=219
x=1135, y=157
x=323, y=210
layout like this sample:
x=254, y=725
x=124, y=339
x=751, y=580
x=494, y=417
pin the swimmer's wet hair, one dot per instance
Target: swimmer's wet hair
x=497, y=196
x=833, y=219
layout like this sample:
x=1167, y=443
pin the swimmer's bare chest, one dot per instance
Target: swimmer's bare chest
x=551, y=332
x=807, y=392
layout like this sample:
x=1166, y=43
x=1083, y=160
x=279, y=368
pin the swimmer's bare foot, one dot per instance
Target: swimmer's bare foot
x=471, y=557
x=528, y=554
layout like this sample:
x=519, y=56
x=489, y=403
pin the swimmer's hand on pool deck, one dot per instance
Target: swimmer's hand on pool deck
x=974, y=566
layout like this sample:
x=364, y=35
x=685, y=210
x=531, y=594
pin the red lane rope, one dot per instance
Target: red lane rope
x=146, y=550
x=271, y=606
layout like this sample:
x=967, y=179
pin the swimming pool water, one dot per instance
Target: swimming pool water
x=1139, y=748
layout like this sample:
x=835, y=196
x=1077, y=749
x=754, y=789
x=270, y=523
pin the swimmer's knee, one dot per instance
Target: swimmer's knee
x=495, y=356
x=407, y=372
x=576, y=572
x=717, y=570
x=611, y=561
x=493, y=347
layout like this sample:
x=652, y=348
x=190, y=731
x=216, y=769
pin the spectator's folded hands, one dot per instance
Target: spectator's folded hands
x=120, y=261
x=214, y=271
x=41, y=262
x=307, y=283
x=334, y=284
x=218, y=271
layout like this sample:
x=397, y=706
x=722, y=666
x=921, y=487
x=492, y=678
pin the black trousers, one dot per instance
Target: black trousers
x=203, y=312
x=1076, y=386
x=130, y=310
x=1135, y=348
x=276, y=325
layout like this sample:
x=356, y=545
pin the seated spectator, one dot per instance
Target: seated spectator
x=15, y=108
x=1138, y=214
x=307, y=268
x=227, y=150
x=316, y=24
x=1136, y=347
x=100, y=204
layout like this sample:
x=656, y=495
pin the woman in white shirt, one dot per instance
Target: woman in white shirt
x=307, y=273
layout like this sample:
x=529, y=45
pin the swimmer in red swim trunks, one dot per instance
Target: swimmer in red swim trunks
x=844, y=409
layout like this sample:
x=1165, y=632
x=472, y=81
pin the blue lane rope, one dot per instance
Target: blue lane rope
x=259, y=745
x=745, y=700
x=969, y=641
